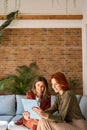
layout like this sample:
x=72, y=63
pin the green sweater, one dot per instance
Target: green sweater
x=67, y=107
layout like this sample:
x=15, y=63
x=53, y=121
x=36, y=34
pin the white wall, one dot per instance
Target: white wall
x=43, y=6
x=45, y=23
x=84, y=45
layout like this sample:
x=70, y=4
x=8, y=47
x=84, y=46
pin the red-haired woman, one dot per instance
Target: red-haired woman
x=69, y=115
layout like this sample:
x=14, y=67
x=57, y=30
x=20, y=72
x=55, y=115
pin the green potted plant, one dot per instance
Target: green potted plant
x=73, y=83
x=21, y=82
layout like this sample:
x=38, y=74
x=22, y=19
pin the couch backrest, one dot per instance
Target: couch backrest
x=53, y=98
x=11, y=104
x=83, y=105
x=7, y=104
x=19, y=106
x=78, y=98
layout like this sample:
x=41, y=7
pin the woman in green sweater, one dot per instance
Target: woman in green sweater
x=69, y=115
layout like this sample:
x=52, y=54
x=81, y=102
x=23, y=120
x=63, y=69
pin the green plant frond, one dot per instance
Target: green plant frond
x=21, y=90
x=33, y=65
x=5, y=24
x=1, y=87
x=22, y=70
x=23, y=67
x=73, y=82
x=12, y=15
x=9, y=19
x=6, y=80
x=21, y=82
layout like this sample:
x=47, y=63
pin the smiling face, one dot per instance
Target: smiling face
x=56, y=86
x=59, y=82
x=39, y=87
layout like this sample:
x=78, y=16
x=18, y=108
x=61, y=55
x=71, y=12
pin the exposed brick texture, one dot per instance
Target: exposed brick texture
x=53, y=49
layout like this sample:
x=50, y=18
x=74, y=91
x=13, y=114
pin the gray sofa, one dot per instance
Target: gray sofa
x=11, y=109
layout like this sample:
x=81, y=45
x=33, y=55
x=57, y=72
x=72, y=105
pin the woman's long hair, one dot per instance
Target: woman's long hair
x=60, y=79
x=45, y=91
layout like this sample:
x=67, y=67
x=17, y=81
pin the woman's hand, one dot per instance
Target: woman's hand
x=26, y=115
x=41, y=113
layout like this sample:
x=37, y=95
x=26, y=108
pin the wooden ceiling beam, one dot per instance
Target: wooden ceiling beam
x=45, y=17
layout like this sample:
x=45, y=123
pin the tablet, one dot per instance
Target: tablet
x=28, y=104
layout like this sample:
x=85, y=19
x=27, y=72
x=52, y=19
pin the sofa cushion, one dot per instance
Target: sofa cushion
x=17, y=127
x=11, y=123
x=52, y=99
x=83, y=105
x=15, y=118
x=13, y=126
x=5, y=118
x=78, y=98
x=20, y=108
x=7, y=104
x=3, y=127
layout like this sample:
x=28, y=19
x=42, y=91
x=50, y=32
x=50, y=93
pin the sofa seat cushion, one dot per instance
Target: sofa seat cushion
x=83, y=106
x=7, y=104
x=5, y=118
x=16, y=127
x=15, y=118
x=12, y=122
x=12, y=126
x=78, y=98
x=4, y=127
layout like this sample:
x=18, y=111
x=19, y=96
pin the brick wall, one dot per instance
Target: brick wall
x=53, y=49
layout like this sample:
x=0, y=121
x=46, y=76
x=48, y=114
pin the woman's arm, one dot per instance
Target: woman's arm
x=64, y=108
x=41, y=113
